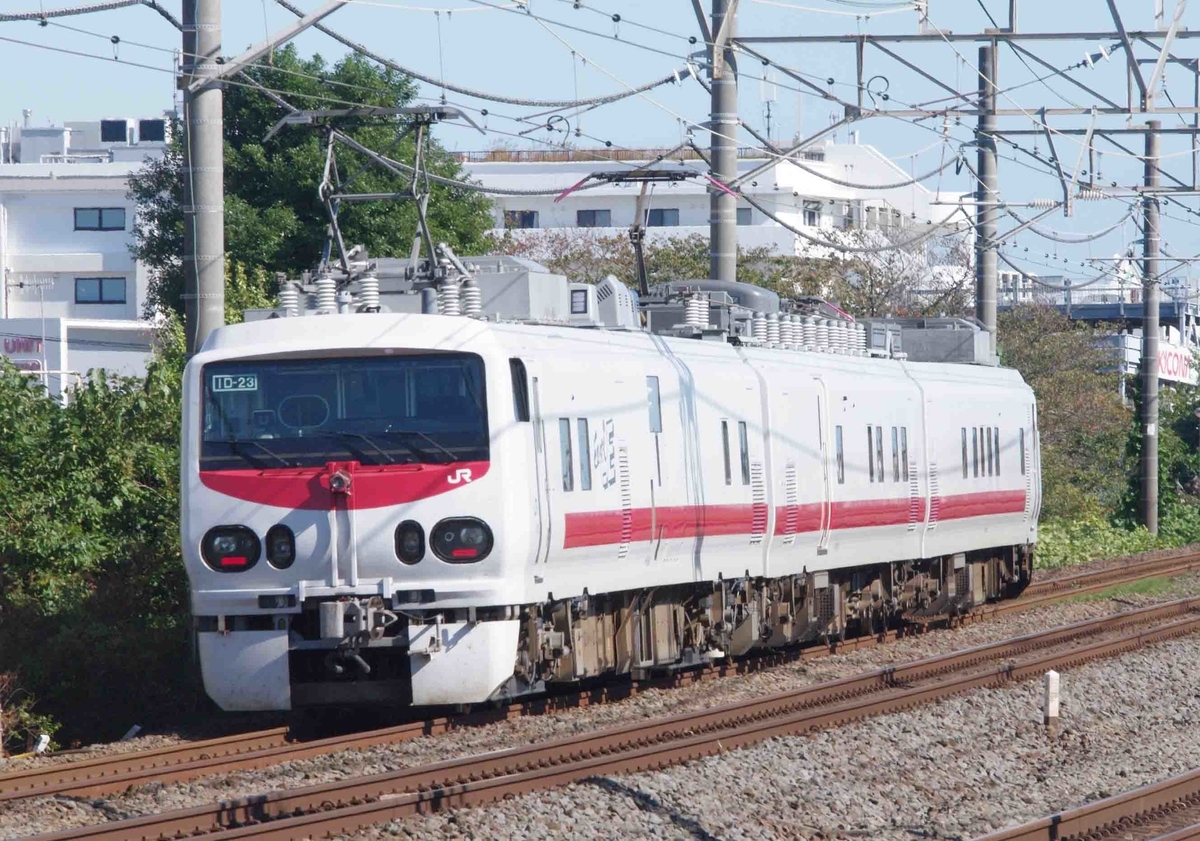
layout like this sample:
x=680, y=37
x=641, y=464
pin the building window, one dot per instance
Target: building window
x=568, y=472
x=841, y=458
x=812, y=214
x=663, y=217
x=99, y=218
x=99, y=290
x=725, y=442
x=585, y=456
x=745, y=216
x=745, y=442
x=520, y=219
x=593, y=218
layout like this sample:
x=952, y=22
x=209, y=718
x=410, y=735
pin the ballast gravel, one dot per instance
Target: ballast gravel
x=952, y=770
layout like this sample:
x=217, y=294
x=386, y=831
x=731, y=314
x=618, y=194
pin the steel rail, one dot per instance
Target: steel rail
x=1114, y=816
x=106, y=774
x=355, y=802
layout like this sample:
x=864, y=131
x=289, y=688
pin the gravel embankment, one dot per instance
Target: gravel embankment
x=889, y=766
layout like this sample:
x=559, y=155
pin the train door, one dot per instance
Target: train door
x=826, y=465
x=542, y=482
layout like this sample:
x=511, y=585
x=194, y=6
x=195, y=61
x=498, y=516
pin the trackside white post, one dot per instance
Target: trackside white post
x=1050, y=702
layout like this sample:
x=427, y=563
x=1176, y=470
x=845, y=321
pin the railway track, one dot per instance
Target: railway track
x=351, y=804
x=1164, y=811
x=107, y=774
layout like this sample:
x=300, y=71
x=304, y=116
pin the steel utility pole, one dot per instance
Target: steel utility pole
x=1150, y=298
x=986, y=196
x=723, y=121
x=204, y=174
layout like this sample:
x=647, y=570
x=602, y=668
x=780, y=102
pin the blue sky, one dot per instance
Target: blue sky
x=569, y=48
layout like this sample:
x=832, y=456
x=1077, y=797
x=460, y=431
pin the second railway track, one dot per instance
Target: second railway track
x=356, y=802
x=190, y=760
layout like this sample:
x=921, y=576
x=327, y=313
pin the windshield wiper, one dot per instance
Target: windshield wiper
x=234, y=442
x=424, y=437
x=362, y=437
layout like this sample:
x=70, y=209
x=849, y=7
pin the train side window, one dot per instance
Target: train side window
x=870, y=457
x=841, y=458
x=879, y=453
x=975, y=451
x=655, y=405
x=895, y=454
x=585, y=456
x=904, y=452
x=725, y=445
x=568, y=468
x=964, y=437
x=996, y=438
x=987, y=437
x=744, y=439
x=520, y=384
x=1022, y=451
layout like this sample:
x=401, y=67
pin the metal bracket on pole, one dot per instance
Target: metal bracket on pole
x=235, y=65
x=702, y=19
x=1062, y=178
x=1085, y=149
x=1180, y=5
x=721, y=38
x=1130, y=59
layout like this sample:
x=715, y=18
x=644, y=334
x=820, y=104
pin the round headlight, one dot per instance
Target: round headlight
x=281, y=546
x=462, y=540
x=230, y=548
x=410, y=542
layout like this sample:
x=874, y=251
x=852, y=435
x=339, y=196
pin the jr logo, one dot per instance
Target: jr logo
x=463, y=474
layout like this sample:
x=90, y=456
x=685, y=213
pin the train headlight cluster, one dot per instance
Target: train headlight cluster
x=230, y=548
x=410, y=542
x=461, y=540
x=281, y=546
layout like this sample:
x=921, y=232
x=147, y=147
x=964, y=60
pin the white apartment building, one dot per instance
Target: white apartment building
x=71, y=294
x=801, y=194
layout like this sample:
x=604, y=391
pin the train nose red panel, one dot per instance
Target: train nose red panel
x=369, y=487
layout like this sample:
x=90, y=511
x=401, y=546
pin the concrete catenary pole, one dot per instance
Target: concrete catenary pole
x=723, y=121
x=986, y=194
x=203, y=175
x=1150, y=297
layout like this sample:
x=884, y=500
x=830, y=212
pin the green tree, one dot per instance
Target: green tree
x=1082, y=423
x=274, y=219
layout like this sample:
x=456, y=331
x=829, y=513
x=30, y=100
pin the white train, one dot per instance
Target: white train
x=409, y=508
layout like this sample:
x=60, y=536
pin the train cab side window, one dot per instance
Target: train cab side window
x=996, y=439
x=975, y=451
x=655, y=404
x=904, y=452
x=568, y=467
x=895, y=454
x=1022, y=443
x=585, y=456
x=987, y=437
x=520, y=384
x=725, y=444
x=964, y=437
x=744, y=439
x=870, y=458
x=879, y=453
x=841, y=457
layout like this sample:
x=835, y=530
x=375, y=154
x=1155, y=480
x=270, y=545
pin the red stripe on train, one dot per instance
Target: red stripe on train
x=602, y=528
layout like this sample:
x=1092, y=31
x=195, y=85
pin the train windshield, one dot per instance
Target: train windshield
x=428, y=408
